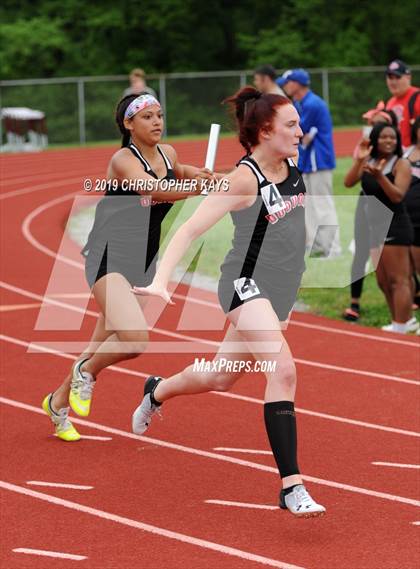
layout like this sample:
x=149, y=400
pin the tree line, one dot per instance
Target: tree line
x=56, y=38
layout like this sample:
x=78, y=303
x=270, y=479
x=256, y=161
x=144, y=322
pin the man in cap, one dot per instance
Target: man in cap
x=405, y=100
x=316, y=162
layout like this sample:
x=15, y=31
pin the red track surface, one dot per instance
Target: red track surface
x=357, y=397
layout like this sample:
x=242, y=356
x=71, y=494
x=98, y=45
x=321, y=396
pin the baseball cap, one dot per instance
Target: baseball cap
x=299, y=75
x=398, y=68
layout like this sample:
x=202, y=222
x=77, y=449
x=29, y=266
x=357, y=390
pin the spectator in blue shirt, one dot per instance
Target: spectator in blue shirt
x=316, y=162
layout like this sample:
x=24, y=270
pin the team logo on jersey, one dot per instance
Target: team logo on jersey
x=146, y=201
x=246, y=288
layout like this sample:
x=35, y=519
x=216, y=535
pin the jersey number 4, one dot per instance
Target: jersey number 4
x=246, y=288
x=272, y=198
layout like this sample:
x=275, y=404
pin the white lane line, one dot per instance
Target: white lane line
x=14, y=307
x=219, y=548
x=324, y=415
x=39, y=187
x=93, y=437
x=44, y=553
x=244, y=450
x=416, y=523
x=397, y=465
x=352, y=371
x=25, y=227
x=241, y=504
x=59, y=485
x=331, y=329
x=96, y=438
x=35, y=243
x=220, y=457
x=126, y=371
x=358, y=372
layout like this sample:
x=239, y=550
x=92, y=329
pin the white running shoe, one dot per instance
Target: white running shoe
x=81, y=388
x=142, y=416
x=410, y=326
x=300, y=503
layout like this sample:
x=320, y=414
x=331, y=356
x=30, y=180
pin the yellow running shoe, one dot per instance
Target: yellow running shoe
x=63, y=427
x=82, y=384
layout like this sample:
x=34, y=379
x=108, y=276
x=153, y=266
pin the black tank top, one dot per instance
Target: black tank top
x=270, y=234
x=130, y=223
x=371, y=187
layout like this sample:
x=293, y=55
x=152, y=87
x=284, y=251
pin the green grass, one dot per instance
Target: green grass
x=325, y=288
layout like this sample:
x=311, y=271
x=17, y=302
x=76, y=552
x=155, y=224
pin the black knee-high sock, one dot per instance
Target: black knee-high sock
x=280, y=423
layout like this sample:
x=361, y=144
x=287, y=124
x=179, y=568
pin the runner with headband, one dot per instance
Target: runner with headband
x=122, y=250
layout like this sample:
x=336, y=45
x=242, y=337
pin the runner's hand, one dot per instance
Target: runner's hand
x=205, y=174
x=153, y=290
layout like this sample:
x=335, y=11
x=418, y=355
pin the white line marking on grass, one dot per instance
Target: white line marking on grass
x=219, y=548
x=220, y=457
x=397, y=465
x=49, y=553
x=244, y=450
x=122, y=370
x=59, y=485
x=242, y=505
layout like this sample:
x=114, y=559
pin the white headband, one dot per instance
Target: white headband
x=142, y=102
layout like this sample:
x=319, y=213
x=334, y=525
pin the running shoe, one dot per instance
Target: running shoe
x=142, y=416
x=82, y=384
x=351, y=314
x=411, y=325
x=63, y=427
x=300, y=503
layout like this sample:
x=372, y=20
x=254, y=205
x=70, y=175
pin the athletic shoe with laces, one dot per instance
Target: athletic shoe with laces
x=300, y=503
x=411, y=325
x=82, y=384
x=142, y=416
x=63, y=427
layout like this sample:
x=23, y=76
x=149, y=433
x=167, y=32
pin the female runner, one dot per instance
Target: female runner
x=260, y=278
x=122, y=250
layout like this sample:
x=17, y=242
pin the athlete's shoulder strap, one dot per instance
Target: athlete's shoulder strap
x=166, y=159
x=248, y=161
x=408, y=151
x=139, y=155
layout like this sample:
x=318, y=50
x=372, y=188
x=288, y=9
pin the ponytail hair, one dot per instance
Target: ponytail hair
x=253, y=111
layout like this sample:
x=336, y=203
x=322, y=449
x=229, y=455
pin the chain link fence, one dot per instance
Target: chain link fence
x=81, y=109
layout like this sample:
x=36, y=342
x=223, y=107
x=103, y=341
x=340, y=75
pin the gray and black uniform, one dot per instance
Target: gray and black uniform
x=384, y=228
x=126, y=232
x=268, y=248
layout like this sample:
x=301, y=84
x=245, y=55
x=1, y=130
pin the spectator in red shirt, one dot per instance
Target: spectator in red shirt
x=405, y=100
